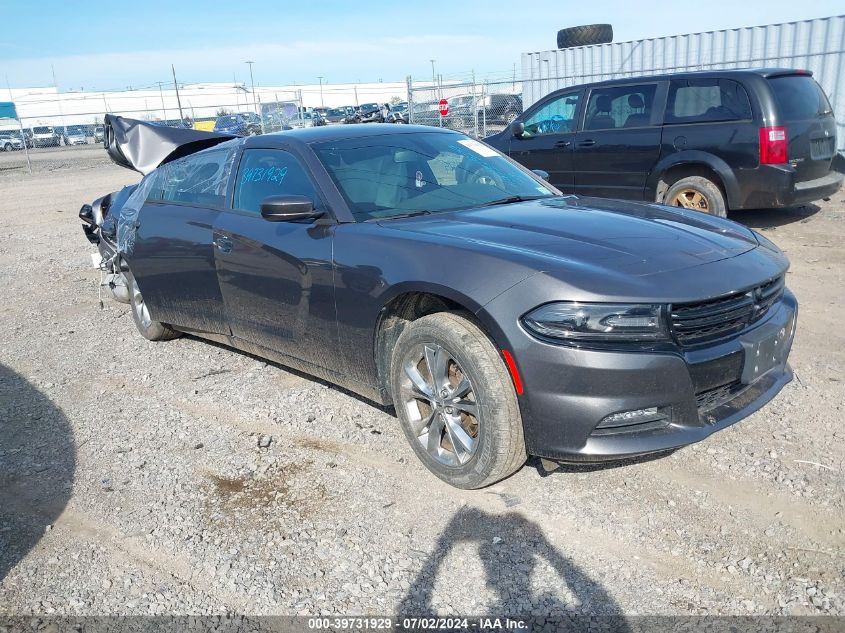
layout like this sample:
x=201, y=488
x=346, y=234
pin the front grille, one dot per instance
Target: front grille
x=716, y=319
x=712, y=398
x=821, y=148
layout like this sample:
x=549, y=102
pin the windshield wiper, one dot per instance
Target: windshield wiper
x=512, y=199
x=403, y=215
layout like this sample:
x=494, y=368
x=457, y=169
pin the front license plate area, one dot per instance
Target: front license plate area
x=765, y=348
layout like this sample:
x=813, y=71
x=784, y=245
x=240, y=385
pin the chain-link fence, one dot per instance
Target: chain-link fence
x=51, y=123
x=478, y=109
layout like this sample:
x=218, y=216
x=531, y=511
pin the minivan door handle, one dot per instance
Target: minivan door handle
x=588, y=143
x=563, y=144
x=224, y=244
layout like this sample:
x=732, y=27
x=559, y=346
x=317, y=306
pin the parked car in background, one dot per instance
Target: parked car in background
x=307, y=119
x=426, y=271
x=369, y=113
x=238, y=124
x=75, y=135
x=709, y=141
x=500, y=109
x=253, y=120
x=336, y=115
x=98, y=134
x=9, y=143
x=398, y=113
x=45, y=136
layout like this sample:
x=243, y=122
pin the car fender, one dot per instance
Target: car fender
x=695, y=157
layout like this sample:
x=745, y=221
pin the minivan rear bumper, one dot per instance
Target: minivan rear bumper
x=773, y=186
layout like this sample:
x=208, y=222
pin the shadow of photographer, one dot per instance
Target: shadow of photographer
x=508, y=565
x=37, y=463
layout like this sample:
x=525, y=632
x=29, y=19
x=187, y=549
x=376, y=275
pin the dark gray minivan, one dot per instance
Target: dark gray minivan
x=711, y=141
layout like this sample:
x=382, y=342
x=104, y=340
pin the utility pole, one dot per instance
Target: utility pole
x=161, y=94
x=433, y=76
x=58, y=99
x=178, y=100
x=252, y=83
x=321, y=91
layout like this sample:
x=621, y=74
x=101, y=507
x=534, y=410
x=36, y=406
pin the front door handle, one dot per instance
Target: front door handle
x=224, y=244
x=563, y=144
x=587, y=143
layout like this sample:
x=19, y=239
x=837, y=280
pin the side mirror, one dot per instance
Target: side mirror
x=543, y=174
x=518, y=129
x=288, y=209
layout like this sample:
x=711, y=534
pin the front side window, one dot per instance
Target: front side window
x=426, y=172
x=199, y=179
x=706, y=100
x=555, y=117
x=270, y=172
x=619, y=107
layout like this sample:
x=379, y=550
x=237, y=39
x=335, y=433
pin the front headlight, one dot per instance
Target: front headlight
x=597, y=322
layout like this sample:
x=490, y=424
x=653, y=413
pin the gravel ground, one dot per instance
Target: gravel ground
x=186, y=478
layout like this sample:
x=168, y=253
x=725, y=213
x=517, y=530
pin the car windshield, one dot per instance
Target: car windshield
x=227, y=120
x=75, y=129
x=427, y=172
x=42, y=130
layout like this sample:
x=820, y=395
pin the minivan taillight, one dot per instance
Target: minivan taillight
x=773, y=146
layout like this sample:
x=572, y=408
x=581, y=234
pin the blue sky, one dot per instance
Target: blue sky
x=112, y=45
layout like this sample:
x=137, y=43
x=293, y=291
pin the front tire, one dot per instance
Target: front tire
x=7, y=147
x=456, y=402
x=698, y=194
x=149, y=329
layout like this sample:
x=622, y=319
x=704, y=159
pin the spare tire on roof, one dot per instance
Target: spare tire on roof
x=584, y=35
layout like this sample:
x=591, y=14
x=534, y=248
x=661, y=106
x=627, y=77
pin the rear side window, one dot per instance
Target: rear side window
x=619, y=107
x=199, y=180
x=270, y=172
x=799, y=97
x=706, y=100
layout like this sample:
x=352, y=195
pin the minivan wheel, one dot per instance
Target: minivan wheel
x=149, y=329
x=697, y=193
x=456, y=402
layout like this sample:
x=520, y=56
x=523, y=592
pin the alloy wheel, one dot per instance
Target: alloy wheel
x=691, y=199
x=441, y=406
x=140, y=307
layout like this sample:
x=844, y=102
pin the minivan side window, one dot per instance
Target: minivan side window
x=270, y=172
x=706, y=100
x=620, y=107
x=555, y=117
x=198, y=180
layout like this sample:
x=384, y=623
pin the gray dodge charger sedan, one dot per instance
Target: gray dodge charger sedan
x=425, y=270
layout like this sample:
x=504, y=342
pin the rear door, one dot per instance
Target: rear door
x=810, y=127
x=548, y=138
x=619, y=142
x=173, y=257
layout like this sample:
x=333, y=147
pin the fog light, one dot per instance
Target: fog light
x=633, y=417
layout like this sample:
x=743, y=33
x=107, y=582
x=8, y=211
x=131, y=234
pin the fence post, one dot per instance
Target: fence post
x=410, y=87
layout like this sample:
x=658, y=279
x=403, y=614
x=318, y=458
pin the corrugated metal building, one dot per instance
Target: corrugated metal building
x=816, y=45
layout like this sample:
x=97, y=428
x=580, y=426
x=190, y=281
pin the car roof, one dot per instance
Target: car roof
x=698, y=74
x=340, y=132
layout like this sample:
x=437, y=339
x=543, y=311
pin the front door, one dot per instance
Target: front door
x=548, y=139
x=276, y=277
x=172, y=257
x=619, y=142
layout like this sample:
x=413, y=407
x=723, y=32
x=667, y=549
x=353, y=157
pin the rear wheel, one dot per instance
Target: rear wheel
x=7, y=147
x=456, y=402
x=698, y=194
x=149, y=329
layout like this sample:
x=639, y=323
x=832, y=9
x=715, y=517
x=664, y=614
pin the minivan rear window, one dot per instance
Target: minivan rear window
x=706, y=100
x=799, y=97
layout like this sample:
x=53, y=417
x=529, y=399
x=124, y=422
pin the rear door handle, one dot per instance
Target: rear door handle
x=563, y=144
x=587, y=143
x=224, y=244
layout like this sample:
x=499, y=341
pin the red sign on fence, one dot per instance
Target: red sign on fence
x=444, y=107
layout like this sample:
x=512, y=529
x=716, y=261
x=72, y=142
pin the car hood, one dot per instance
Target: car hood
x=624, y=237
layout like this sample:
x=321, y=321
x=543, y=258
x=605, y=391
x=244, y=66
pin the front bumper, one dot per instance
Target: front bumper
x=570, y=392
